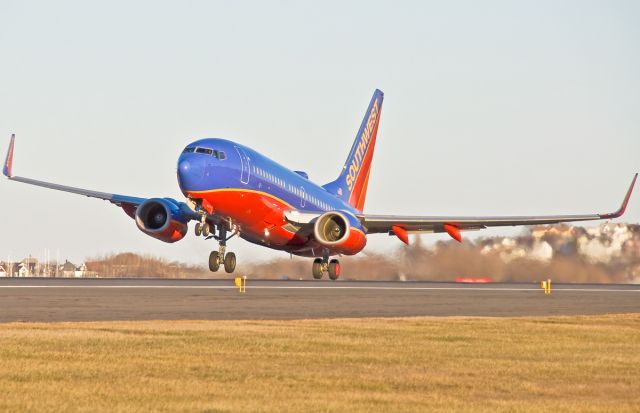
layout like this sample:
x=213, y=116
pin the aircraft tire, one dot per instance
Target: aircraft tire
x=198, y=229
x=214, y=261
x=316, y=268
x=334, y=269
x=206, y=229
x=230, y=262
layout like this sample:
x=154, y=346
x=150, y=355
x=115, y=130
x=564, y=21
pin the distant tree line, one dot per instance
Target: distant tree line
x=133, y=265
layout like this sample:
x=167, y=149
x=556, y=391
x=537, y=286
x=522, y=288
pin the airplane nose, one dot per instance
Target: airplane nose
x=190, y=173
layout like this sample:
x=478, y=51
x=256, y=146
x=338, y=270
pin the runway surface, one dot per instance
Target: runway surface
x=49, y=300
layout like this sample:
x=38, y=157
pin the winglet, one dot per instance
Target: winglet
x=623, y=207
x=8, y=163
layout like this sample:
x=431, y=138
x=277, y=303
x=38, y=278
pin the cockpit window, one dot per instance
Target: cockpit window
x=204, y=150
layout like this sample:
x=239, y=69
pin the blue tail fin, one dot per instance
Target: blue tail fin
x=351, y=185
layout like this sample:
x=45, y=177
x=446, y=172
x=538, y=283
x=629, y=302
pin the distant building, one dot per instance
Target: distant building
x=11, y=269
x=81, y=271
x=3, y=272
x=28, y=267
x=67, y=269
x=23, y=270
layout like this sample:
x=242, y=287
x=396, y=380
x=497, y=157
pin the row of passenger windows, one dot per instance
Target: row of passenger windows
x=207, y=151
x=282, y=184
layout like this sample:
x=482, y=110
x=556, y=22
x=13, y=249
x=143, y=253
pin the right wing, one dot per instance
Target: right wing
x=403, y=225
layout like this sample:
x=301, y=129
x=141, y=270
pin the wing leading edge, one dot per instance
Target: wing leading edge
x=128, y=203
x=402, y=225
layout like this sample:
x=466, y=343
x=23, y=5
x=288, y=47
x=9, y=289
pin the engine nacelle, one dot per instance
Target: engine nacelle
x=161, y=219
x=340, y=232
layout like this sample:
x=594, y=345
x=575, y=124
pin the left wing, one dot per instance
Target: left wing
x=113, y=198
x=404, y=225
x=128, y=203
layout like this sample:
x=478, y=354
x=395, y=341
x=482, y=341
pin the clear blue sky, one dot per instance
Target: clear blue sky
x=494, y=107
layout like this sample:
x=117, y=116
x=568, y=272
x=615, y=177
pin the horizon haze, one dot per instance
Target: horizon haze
x=492, y=108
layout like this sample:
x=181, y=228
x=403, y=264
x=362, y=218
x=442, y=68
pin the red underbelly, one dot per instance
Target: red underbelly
x=258, y=214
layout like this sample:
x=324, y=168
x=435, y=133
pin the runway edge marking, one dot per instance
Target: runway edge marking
x=224, y=287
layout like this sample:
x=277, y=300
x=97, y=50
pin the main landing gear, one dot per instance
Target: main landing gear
x=216, y=258
x=322, y=265
x=220, y=257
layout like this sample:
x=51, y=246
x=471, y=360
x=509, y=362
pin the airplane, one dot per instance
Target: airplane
x=233, y=190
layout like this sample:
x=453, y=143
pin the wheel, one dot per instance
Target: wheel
x=316, y=268
x=214, y=261
x=230, y=262
x=198, y=229
x=334, y=269
x=206, y=229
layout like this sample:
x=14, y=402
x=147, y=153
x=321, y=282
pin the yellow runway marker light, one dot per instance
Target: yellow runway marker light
x=241, y=283
x=546, y=286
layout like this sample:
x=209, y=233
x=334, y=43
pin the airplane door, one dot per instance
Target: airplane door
x=303, y=196
x=244, y=160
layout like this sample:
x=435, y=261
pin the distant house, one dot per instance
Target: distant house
x=9, y=269
x=81, y=271
x=28, y=267
x=67, y=269
x=23, y=270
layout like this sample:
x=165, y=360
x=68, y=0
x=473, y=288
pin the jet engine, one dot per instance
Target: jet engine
x=161, y=219
x=341, y=232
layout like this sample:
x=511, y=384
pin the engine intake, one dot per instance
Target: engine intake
x=340, y=234
x=161, y=219
x=331, y=228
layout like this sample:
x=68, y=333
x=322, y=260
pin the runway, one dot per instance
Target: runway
x=52, y=300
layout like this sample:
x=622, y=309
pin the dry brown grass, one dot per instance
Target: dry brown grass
x=589, y=364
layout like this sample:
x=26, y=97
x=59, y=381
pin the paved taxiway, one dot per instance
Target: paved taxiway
x=33, y=299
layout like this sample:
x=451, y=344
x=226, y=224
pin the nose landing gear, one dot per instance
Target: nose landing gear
x=322, y=265
x=202, y=228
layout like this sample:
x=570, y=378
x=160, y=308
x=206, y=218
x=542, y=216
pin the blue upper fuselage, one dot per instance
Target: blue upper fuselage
x=211, y=164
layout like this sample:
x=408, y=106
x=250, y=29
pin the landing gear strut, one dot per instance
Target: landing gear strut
x=322, y=265
x=216, y=258
x=220, y=257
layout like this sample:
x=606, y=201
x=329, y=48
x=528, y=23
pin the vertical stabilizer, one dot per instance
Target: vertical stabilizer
x=351, y=185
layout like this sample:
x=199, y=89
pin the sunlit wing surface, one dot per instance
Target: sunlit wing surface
x=126, y=202
x=417, y=224
x=113, y=198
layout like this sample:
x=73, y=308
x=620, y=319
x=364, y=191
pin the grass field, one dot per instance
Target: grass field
x=571, y=364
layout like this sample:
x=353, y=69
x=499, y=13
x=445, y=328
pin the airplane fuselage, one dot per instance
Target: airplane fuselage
x=254, y=192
